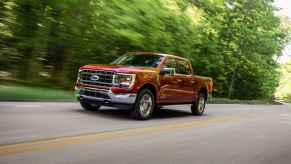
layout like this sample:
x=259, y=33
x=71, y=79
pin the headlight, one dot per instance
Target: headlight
x=124, y=80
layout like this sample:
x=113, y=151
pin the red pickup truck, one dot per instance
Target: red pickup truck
x=144, y=82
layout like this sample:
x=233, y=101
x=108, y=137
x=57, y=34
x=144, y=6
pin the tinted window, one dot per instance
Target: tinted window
x=170, y=63
x=183, y=67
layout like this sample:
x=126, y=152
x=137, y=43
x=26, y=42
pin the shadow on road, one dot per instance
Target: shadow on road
x=170, y=113
x=124, y=114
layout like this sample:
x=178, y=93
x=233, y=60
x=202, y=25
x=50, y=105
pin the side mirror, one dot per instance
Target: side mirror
x=167, y=71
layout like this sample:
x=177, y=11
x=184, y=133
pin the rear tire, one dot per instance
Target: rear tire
x=144, y=105
x=90, y=107
x=198, y=108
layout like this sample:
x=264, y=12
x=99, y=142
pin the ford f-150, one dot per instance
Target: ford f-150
x=142, y=81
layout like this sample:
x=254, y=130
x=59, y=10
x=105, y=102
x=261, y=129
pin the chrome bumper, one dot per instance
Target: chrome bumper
x=113, y=98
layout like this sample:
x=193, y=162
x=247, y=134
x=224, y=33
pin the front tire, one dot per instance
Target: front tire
x=90, y=107
x=198, y=108
x=144, y=105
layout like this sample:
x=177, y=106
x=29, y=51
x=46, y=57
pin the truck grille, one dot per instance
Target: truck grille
x=96, y=77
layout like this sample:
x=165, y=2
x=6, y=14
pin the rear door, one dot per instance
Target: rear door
x=185, y=81
x=176, y=88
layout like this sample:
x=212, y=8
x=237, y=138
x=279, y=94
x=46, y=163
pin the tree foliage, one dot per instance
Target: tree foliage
x=284, y=90
x=233, y=41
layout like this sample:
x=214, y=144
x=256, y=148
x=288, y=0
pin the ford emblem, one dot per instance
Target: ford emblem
x=94, y=78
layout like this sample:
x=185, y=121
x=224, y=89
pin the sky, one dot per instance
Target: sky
x=285, y=10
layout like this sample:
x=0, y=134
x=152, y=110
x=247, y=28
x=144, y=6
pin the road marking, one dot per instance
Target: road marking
x=57, y=143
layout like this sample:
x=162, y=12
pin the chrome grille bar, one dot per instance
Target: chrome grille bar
x=96, y=77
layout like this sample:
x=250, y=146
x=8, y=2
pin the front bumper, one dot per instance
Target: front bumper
x=106, y=98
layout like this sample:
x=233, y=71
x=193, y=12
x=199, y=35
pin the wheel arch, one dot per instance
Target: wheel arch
x=152, y=88
x=204, y=91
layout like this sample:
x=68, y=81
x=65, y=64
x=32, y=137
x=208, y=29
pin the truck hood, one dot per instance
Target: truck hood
x=119, y=68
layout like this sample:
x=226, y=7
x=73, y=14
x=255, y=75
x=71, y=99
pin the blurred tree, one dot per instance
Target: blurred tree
x=6, y=20
x=233, y=41
x=284, y=90
x=24, y=32
x=244, y=37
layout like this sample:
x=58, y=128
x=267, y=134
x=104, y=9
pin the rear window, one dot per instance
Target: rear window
x=183, y=67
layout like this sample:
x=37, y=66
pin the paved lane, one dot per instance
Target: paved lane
x=63, y=133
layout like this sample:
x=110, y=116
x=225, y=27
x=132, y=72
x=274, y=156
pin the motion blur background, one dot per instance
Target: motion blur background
x=239, y=43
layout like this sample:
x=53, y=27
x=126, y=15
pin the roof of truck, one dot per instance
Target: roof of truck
x=157, y=53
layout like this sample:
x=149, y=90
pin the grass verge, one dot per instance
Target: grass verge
x=25, y=93
x=215, y=100
x=29, y=93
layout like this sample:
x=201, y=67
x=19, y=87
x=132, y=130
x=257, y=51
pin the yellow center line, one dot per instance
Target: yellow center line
x=57, y=143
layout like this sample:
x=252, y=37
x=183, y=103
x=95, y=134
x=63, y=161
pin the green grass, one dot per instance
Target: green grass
x=215, y=100
x=29, y=93
x=25, y=93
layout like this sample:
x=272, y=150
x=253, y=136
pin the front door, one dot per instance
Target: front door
x=168, y=83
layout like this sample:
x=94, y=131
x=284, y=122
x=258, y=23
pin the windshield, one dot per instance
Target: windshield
x=144, y=60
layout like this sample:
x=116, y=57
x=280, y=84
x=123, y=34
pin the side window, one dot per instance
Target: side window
x=183, y=67
x=170, y=63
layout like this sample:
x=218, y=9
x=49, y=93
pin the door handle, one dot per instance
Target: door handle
x=193, y=81
x=179, y=80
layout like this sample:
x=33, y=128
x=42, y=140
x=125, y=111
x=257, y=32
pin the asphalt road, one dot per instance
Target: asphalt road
x=52, y=133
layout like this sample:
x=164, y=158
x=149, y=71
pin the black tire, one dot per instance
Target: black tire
x=198, y=108
x=90, y=107
x=157, y=107
x=143, y=111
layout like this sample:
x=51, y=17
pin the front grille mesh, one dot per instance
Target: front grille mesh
x=105, y=78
